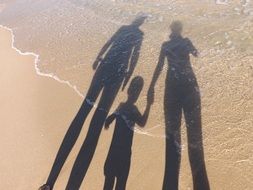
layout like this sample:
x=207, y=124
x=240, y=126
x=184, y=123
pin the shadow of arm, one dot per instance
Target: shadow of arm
x=109, y=120
x=103, y=50
x=133, y=62
x=157, y=72
x=191, y=48
x=142, y=119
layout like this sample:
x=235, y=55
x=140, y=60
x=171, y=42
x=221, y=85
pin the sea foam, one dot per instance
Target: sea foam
x=36, y=64
x=53, y=76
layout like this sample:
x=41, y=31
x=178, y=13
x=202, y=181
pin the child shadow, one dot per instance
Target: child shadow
x=117, y=164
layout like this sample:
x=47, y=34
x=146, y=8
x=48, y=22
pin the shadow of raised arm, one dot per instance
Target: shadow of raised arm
x=141, y=121
x=103, y=50
x=157, y=72
x=133, y=62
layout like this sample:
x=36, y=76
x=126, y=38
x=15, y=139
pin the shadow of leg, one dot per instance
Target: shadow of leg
x=192, y=111
x=67, y=144
x=73, y=131
x=121, y=183
x=173, y=114
x=123, y=174
x=88, y=148
x=172, y=164
x=87, y=151
x=109, y=183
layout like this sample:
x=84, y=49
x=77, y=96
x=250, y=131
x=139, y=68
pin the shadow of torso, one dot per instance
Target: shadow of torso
x=115, y=63
x=119, y=155
x=180, y=78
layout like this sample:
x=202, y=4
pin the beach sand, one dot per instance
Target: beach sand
x=35, y=114
x=36, y=111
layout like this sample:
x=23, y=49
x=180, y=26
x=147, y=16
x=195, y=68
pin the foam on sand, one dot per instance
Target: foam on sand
x=36, y=62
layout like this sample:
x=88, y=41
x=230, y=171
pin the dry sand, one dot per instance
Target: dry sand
x=34, y=114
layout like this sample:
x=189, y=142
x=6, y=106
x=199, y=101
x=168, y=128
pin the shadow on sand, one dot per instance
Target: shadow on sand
x=114, y=66
x=181, y=96
x=118, y=160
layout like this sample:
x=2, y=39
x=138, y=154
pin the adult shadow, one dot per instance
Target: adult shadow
x=118, y=161
x=114, y=66
x=181, y=97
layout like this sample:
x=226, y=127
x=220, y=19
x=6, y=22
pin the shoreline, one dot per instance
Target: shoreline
x=50, y=75
x=35, y=112
x=35, y=115
x=36, y=62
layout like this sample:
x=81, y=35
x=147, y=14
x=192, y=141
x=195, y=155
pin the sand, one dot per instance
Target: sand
x=36, y=112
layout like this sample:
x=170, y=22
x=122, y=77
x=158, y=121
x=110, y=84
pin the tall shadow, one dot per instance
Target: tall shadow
x=181, y=96
x=117, y=164
x=114, y=66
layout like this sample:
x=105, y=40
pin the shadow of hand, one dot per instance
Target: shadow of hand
x=127, y=78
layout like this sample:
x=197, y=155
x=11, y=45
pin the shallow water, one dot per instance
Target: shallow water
x=68, y=34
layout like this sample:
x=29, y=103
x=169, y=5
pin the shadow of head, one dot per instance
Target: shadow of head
x=139, y=20
x=135, y=89
x=176, y=27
